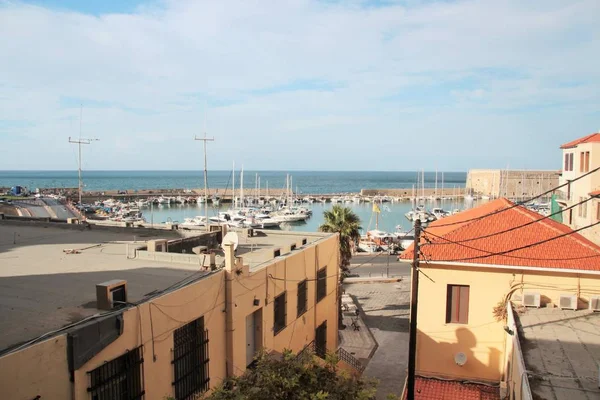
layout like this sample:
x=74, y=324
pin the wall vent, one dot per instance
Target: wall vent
x=568, y=302
x=595, y=303
x=304, y=241
x=276, y=252
x=293, y=247
x=111, y=294
x=531, y=300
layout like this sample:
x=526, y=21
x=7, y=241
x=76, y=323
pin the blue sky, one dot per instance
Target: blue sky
x=305, y=84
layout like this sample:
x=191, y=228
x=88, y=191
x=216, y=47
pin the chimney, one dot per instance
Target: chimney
x=229, y=256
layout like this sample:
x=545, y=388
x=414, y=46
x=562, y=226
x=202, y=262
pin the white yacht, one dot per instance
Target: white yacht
x=198, y=220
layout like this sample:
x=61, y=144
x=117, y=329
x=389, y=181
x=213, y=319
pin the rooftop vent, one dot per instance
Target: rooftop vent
x=276, y=252
x=111, y=294
x=304, y=241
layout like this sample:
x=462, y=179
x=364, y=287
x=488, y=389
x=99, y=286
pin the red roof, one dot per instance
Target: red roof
x=593, y=138
x=551, y=254
x=436, y=389
x=595, y=193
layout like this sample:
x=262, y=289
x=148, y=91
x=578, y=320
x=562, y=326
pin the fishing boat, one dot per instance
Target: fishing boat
x=198, y=220
x=439, y=213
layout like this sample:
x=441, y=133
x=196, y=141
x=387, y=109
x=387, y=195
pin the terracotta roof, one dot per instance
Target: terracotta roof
x=552, y=254
x=595, y=193
x=436, y=389
x=593, y=138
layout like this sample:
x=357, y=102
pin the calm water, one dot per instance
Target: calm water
x=392, y=214
x=313, y=182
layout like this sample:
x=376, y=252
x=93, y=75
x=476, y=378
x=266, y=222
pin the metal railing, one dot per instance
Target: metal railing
x=350, y=360
x=341, y=354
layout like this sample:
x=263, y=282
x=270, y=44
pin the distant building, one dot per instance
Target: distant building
x=88, y=314
x=579, y=157
x=512, y=184
x=467, y=332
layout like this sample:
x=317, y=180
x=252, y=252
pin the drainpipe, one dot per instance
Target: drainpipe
x=229, y=307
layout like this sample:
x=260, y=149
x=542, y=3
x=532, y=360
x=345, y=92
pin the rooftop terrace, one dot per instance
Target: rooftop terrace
x=562, y=353
x=43, y=288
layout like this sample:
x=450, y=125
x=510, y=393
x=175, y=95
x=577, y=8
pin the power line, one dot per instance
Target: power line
x=517, y=204
x=516, y=248
x=514, y=227
x=491, y=253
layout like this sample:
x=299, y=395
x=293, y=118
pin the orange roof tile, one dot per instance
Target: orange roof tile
x=595, y=193
x=552, y=254
x=436, y=389
x=593, y=138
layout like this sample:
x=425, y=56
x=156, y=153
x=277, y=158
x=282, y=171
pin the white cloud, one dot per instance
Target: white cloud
x=412, y=85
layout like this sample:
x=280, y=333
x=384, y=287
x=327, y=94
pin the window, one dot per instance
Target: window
x=582, y=209
x=568, y=161
x=119, y=379
x=279, y=313
x=190, y=360
x=457, y=304
x=571, y=156
x=321, y=340
x=598, y=211
x=321, y=283
x=581, y=156
x=302, y=297
x=587, y=161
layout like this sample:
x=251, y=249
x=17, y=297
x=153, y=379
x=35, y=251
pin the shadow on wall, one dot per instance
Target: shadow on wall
x=438, y=357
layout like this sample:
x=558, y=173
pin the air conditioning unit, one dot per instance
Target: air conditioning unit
x=531, y=300
x=595, y=303
x=111, y=294
x=568, y=302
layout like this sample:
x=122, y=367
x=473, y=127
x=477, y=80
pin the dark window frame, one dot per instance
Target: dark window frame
x=191, y=360
x=302, y=306
x=457, y=304
x=321, y=340
x=122, y=376
x=321, y=284
x=279, y=313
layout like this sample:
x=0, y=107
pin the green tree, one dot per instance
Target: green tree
x=294, y=377
x=344, y=221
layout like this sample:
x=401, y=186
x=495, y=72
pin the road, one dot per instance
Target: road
x=60, y=210
x=39, y=208
x=371, y=265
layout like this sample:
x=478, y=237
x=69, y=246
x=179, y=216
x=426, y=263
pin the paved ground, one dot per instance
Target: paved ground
x=355, y=338
x=385, y=308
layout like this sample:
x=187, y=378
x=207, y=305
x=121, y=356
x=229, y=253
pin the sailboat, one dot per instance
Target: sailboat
x=376, y=240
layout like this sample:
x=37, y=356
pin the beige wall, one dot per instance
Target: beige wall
x=581, y=189
x=42, y=369
x=513, y=184
x=483, y=338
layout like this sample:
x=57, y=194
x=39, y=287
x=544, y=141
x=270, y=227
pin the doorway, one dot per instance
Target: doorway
x=321, y=340
x=253, y=335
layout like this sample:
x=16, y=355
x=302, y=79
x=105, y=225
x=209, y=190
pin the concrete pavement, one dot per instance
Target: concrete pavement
x=385, y=309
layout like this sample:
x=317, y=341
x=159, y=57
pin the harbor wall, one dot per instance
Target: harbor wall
x=408, y=192
x=512, y=184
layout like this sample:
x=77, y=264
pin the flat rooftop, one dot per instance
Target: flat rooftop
x=258, y=249
x=43, y=288
x=562, y=352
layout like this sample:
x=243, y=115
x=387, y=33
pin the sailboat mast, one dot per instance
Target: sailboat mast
x=436, y=176
x=233, y=202
x=242, y=187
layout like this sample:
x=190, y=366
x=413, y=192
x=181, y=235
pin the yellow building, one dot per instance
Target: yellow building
x=579, y=158
x=477, y=265
x=89, y=314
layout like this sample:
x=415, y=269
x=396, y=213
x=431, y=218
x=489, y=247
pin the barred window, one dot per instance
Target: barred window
x=321, y=283
x=119, y=379
x=279, y=313
x=190, y=360
x=302, y=297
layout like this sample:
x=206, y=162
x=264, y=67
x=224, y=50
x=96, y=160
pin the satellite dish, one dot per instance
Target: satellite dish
x=231, y=238
x=460, y=359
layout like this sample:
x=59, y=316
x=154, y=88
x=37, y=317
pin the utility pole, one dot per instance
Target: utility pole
x=205, y=139
x=79, y=142
x=414, y=298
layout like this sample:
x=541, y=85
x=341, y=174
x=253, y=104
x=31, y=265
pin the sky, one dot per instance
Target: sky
x=298, y=84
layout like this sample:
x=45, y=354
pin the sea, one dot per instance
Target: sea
x=304, y=182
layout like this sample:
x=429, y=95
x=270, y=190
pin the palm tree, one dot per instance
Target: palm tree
x=344, y=221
